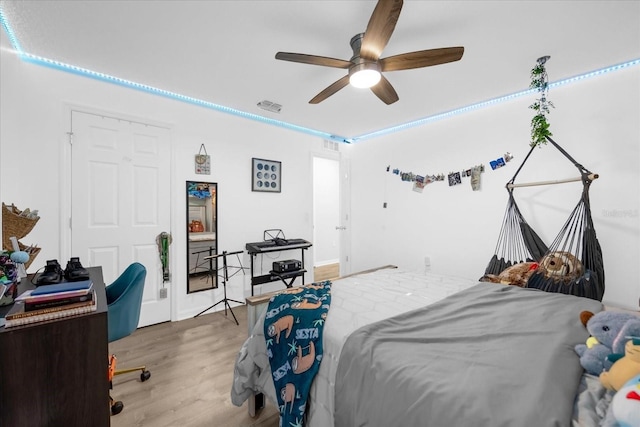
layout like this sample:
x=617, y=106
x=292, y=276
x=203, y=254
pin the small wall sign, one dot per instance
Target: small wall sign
x=203, y=162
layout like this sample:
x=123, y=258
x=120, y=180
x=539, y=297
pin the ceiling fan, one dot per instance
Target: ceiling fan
x=365, y=66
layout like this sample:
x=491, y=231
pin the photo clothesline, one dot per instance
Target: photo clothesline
x=453, y=178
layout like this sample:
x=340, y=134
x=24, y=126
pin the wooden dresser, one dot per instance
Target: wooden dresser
x=55, y=373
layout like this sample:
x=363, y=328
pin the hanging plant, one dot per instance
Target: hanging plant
x=539, y=125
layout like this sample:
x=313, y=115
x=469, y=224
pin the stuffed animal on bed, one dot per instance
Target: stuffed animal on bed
x=624, y=368
x=607, y=330
x=516, y=275
x=625, y=405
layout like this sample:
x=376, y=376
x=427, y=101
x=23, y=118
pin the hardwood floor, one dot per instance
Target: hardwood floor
x=326, y=272
x=191, y=364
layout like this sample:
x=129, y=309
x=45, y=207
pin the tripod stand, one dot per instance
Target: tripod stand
x=225, y=279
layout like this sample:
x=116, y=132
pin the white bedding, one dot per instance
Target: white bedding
x=356, y=301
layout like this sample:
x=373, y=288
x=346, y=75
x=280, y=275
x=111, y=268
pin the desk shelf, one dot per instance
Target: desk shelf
x=288, y=277
x=274, y=276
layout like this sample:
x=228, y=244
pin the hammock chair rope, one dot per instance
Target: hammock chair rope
x=575, y=245
x=585, y=174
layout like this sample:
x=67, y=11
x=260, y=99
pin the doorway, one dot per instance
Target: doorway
x=327, y=226
x=120, y=201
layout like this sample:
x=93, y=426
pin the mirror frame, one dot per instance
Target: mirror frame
x=202, y=209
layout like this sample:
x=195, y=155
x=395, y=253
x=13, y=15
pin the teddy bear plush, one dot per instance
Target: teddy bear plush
x=557, y=265
x=607, y=330
x=561, y=265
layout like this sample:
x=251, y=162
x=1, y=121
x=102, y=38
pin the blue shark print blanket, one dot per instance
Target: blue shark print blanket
x=293, y=331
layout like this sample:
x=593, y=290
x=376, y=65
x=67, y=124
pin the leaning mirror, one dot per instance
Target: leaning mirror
x=202, y=226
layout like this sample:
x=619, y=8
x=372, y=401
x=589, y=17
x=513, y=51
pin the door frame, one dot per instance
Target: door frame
x=343, y=201
x=65, y=186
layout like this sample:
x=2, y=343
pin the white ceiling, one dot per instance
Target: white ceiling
x=223, y=51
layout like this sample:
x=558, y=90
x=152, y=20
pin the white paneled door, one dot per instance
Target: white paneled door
x=120, y=201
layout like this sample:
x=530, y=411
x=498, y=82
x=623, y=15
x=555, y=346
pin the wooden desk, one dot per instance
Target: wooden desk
x=55, y=373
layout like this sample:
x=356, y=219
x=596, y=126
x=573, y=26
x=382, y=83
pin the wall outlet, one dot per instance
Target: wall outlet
x=163, y=293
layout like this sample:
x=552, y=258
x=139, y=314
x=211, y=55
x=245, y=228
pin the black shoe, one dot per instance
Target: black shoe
x=75, y=271
x=52, y=273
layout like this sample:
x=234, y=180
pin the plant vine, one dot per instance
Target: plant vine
x=539, y=124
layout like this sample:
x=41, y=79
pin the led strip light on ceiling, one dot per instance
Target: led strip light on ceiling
x=493, y=101
x=325, y=135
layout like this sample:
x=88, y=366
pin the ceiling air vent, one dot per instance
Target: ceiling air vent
x=270, y=106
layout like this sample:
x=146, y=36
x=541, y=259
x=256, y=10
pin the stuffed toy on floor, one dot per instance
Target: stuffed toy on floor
x=608, y=330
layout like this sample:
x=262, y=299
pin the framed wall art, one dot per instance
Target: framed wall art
x=266, y=175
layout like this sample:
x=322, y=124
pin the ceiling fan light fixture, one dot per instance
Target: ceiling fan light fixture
x=364, y=75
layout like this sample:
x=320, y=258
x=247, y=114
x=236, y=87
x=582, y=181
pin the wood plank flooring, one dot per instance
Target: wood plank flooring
x=191, y=364
x=326, y=272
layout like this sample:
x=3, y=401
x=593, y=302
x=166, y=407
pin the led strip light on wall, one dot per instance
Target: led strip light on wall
x=324, y=135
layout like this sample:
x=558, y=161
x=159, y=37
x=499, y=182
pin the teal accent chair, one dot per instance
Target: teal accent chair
x=124, y=301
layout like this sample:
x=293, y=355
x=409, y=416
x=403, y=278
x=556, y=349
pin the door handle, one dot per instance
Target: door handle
x=340, y=227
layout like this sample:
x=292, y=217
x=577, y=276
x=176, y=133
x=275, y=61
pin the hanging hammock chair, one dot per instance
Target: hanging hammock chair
x=572, y=264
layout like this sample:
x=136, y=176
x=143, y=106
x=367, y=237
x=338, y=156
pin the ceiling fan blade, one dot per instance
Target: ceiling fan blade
x=379, y=29
x=422, y=58
x=313, y=60
x=385, y=91
x=330, y=90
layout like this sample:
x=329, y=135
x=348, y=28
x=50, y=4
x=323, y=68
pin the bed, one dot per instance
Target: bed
x=415, y=348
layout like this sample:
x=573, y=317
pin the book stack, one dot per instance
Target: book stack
x=52, y=302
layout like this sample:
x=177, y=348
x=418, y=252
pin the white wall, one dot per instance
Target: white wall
x=33, y=125
x=596, y=121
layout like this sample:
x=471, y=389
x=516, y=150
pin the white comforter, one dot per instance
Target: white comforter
x=356, y=301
